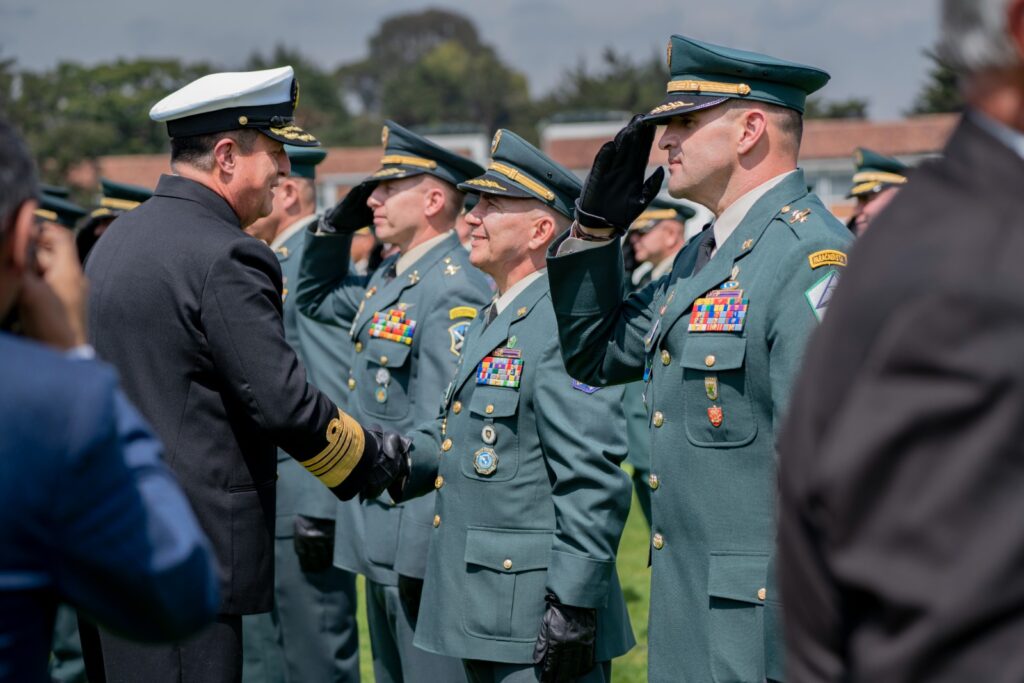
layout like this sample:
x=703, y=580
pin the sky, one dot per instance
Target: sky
x=873, y=49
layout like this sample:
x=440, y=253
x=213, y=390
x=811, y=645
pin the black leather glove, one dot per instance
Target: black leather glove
x=615, y=191
x=391, y=464
x=565, y=646
x=314, y=543
x=351, y=213
x=410, y=591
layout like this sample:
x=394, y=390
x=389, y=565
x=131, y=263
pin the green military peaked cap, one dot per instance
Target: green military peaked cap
x=662, y=210
x=704, y=75
x=875, y=172
x=56, y=208
x=304, y=160
x=518, y=169
x=118, y=197
x=407, y=154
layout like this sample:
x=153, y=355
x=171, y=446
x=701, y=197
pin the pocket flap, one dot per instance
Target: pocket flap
x=728, y=352
x=491, y=401
x=508, y=550
x=737, y=576
x=395, y=353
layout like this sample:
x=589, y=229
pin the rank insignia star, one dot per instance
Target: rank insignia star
x=799, y=216
x=414, y=277
x=451, y=269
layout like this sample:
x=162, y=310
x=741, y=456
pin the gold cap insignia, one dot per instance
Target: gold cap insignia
x=384, y=137
x=243, y=120
x=668, y=55
x=495, y=141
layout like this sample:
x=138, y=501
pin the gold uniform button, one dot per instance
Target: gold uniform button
x=489, y=409
x=439, y=482
x=384, y=360
x=351, y=384
x=457, y=407
x=762, y=594
x=658, y=541
x=446, y=445
x=652, y=481
x=786, y=208
x=437, y=521
x=658, y=419
x=507, y=564
x=666, y=357
x=709, y=361
x=359, y=347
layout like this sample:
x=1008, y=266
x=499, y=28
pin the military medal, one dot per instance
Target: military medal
x=503, y=368
x=381, y=394
x=711, y=387
x=715, y=416
x=383, y=376
x=489, y=435
x=485, y=461
x=393, y=326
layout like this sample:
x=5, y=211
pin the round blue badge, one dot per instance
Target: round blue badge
x=485, y=461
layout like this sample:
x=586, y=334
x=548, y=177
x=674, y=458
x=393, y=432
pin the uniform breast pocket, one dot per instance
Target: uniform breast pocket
x=493, y=454
x=386, y=377
x=715, y=392
x=506, y=571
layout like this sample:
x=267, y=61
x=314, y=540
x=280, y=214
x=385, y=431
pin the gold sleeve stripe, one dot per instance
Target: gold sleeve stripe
x=523, y=179
x=878, y=177
x=345, y=444
x=114, y=203
x=408, y=161
x=708, y=87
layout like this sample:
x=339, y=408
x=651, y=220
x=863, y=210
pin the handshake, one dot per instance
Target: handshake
x=387, y=464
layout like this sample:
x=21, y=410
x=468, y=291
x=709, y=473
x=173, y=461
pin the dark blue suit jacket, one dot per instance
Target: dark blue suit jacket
x=89, y=513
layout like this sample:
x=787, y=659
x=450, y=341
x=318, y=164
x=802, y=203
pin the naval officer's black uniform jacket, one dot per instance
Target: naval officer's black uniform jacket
x=188, y=308
x=902, y=459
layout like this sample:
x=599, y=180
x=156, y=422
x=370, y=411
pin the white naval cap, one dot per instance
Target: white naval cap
x=264, y=100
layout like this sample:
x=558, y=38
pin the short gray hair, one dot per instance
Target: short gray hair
x=975, y=37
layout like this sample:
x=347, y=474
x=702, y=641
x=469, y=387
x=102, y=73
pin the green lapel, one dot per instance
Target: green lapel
x=740, y=243
x=388, y=293
x=479, y=344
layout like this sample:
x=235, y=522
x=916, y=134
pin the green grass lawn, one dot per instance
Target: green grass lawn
x=636, y=585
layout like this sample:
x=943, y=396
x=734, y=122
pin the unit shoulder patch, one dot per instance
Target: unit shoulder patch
x=457, y=336
x=820, y=294
x=826, y=257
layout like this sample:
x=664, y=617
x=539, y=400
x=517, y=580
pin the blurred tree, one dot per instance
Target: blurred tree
x=450, y=84
x=618, y=84
x=400, y=43
x=321, y=99
x=853, y=108
x=74, y=112
x=940, y=93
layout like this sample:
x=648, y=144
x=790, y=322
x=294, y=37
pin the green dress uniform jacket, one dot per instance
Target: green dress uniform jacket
x=715, y=399
x=530, y=496
x=392, y=383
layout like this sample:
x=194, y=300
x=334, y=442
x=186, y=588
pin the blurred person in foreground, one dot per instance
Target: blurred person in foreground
x=90, y=516
x=901, y=555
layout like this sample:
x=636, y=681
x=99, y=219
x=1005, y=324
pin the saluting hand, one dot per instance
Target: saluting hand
x=615, y=191
x=351, y=213
x=52, y=303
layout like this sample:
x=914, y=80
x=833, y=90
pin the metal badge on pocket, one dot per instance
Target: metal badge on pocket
x=485, y=461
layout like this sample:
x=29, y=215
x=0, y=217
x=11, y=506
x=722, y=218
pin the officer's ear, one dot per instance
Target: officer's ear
x=15, y=248
x=543, y=230
x=753, y=123
x=225, y=155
